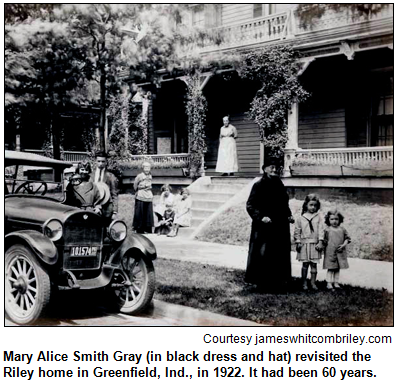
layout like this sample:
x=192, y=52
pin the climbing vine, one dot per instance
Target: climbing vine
x=128, y=128
x=196, y=109
x=276, y=69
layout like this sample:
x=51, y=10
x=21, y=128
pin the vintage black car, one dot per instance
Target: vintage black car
x=50, y=246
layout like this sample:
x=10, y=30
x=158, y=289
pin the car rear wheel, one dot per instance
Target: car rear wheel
x=27, y=285
x=134, y=284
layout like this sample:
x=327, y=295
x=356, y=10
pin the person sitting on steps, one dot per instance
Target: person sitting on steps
x=183, y=212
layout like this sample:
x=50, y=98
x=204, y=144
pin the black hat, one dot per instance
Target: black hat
x=270, y=161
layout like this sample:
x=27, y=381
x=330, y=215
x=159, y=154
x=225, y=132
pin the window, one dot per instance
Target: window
x=258, y=10
x=263, y=9
x=382, y=116
x=198, y=16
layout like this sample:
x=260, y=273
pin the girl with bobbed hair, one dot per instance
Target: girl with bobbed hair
x=309, y=238
x=336, y=239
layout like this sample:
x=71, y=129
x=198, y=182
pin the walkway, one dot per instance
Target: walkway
x=363, y=273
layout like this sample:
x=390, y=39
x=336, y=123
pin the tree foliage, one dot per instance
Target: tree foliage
x=43, y=70
x=17, y=12
x=310, y=13
x=276, y=68
x=80, y=53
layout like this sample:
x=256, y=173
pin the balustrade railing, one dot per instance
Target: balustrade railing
x=171, y=160
x=332, y=19
x=71, y=156
x=363, y=157
x=284, y=25
x=272, y=27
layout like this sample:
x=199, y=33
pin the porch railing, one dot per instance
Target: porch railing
x=363, y=157
x=285, y=25
x=171, y=160
x=71, y=156
x=272, y=27
x=332, y=19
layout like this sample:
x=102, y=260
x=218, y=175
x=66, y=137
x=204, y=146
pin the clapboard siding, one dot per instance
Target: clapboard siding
x=241, y=13
x=322, y=129
x=236, y=13
x=248, y=143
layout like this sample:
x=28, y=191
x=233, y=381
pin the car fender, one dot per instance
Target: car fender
x=131, y=242
x=42, y=246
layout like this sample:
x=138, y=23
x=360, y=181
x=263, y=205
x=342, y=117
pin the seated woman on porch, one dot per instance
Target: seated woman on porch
x=183, y=212
x=166, y=198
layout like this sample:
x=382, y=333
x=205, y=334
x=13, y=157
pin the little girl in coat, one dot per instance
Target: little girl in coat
x=309, y=238
x=336, y=239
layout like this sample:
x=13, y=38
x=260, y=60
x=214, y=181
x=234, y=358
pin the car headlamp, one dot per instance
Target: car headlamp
x=53, y=229
x=117, y=230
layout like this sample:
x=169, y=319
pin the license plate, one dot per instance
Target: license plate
x=83, y=251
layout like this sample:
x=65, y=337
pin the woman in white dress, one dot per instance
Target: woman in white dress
x=227, y=153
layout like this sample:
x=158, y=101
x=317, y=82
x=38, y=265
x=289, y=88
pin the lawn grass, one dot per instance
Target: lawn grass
x=223, y=291
x=370, y=227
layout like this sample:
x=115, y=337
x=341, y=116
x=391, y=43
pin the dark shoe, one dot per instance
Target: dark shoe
x=224, y=174
x=231, y=174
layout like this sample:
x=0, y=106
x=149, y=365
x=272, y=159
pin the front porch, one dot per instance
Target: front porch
x=330, y=162
x=339, y=162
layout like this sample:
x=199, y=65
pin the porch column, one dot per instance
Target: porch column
x=292, y=143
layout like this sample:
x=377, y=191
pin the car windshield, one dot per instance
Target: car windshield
x=34, y=180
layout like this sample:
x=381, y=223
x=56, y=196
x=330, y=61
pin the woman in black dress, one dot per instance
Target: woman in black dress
x=269, y=255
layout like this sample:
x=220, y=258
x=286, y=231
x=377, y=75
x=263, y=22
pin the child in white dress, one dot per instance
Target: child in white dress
x=183, y=212
x=336, y=239
x=309, y=238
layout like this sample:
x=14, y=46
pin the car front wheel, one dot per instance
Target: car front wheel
x=27, y=285
x=134, y=285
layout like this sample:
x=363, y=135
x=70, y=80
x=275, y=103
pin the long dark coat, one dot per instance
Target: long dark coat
x=84, y=195
x=269, y=255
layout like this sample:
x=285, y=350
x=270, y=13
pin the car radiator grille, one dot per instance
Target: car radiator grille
x=83, y=234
